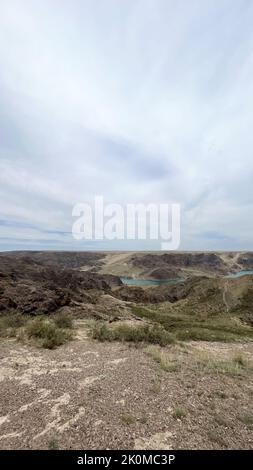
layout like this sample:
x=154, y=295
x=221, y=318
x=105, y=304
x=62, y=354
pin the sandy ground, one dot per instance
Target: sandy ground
x=90, y=395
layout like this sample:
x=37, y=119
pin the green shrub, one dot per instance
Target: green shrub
x=190, y=325
x=179, y=413
x=47, y=333
x=223, y=366
x=154, y=334
x=247, y=419
x=128, y=418
x=101, y=332
x=10, y=323
x=162, y=359
x=63, y=320
x=53, y=444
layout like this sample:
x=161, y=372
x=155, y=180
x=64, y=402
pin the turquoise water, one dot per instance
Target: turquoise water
x=149, y=282
x=158, y=282
x=240, y=274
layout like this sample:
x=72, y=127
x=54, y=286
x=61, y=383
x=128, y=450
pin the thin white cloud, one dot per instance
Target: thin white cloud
x=144, y=101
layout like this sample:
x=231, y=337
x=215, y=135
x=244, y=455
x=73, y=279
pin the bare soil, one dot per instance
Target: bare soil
x=91, y=395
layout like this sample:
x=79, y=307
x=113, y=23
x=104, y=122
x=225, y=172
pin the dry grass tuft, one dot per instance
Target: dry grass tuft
x=127, y=418
x=179, y=413
x=166, y=363
x=154, y=334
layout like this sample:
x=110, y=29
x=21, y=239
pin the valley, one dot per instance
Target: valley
x=90, y=362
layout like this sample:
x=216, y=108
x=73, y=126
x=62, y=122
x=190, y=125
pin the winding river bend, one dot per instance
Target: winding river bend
x=129, y=281
x=240, y=274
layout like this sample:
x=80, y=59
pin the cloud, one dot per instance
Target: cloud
x=140, y=101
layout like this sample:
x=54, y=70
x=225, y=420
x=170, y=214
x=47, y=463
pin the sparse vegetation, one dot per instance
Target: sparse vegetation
x=241, y=360
x=63, y=320
x=127, y=418
x=229, y=366
x=221, y=394
x=156, y=386
x=10, y=323
x=247, y=419
x=214, y=437
x=221, y=420
x=186, y=323
x=53, y=444
x=166, y=364
x=143, y=419
x=179, y=413
x=101, y=332
x=47, y=333
x=153, y=334
x=140, y=381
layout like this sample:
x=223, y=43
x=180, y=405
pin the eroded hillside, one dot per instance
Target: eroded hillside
x=164, y=367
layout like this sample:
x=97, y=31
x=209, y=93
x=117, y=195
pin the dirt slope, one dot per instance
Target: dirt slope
x=89, y=395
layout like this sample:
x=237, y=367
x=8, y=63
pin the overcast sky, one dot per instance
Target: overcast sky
x=139, y=101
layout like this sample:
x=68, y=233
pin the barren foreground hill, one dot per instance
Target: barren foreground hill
x=88, y=362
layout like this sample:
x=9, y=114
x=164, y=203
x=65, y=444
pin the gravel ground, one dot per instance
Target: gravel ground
x=90, y=395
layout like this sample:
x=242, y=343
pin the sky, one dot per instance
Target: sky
x=140, y=101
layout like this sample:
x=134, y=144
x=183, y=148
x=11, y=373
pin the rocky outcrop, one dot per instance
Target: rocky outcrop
x=31, y=285
x=176, y=262
x=245, y=260
x=165, y=273
x=27, y=286
x=171, y=293
x=61, y=259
